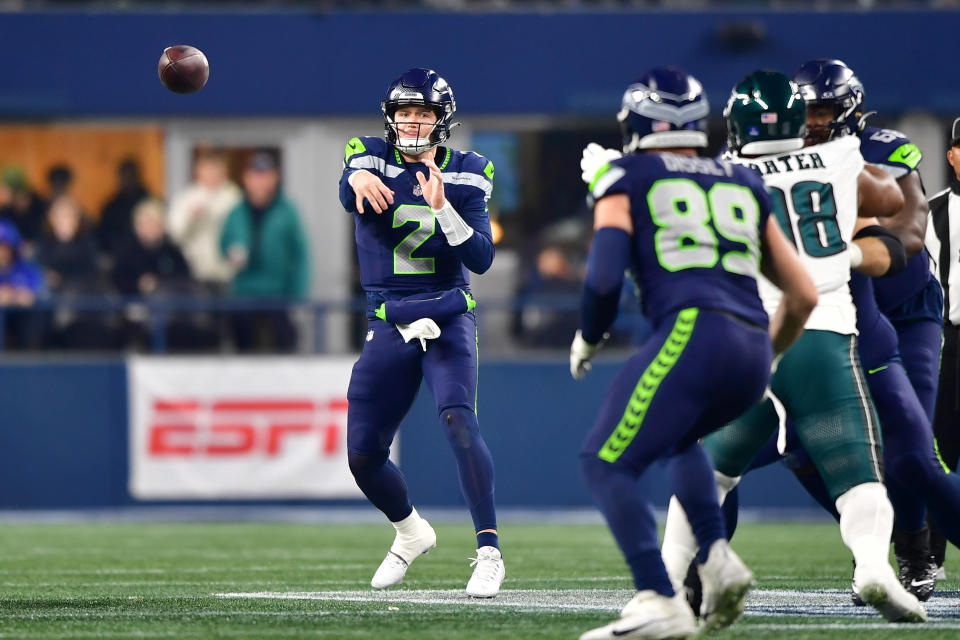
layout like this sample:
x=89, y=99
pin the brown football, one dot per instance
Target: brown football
x=183, y=69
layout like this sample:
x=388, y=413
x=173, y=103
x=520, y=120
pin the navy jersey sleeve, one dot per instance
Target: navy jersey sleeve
x=610, y=179
x=468, y=191
x=890, y=150
x=360, y=153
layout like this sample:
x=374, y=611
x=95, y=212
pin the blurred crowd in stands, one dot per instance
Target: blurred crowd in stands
x=213, y=241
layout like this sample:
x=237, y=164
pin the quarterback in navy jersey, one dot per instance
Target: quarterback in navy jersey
x=422, y=225
x=694, y=233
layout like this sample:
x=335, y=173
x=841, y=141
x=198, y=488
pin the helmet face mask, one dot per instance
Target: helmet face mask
x=765, y=114
x=665, y=108
x=419, y=87
x=822, y=122
x=422, y=138
x=831, y=82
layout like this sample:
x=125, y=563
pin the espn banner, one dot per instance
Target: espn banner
x=239, y=428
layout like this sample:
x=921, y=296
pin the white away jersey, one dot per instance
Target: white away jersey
x=814, y=193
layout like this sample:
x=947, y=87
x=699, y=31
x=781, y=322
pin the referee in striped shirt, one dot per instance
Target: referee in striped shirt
x=945, y=249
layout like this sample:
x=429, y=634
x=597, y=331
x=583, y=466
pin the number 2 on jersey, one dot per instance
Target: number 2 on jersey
x=403, y=261
x=685, y=239
x=816, y=210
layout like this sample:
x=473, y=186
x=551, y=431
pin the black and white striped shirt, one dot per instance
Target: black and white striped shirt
x=943, y=243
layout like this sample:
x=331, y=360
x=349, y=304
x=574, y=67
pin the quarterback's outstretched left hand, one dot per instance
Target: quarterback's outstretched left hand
x=432, y=186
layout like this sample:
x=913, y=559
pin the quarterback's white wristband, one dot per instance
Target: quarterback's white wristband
x=856, y=254
x=453, y=226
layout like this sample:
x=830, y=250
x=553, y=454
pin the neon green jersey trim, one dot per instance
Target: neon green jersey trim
x=446, y=159
x=471, y=303
x=870, y=372
x=936, y=448
x=908, y=154
x=488, y=171
x=599, y=174
x=396, y=154
x=381, y=311
x=354, y=146
x=647, y=386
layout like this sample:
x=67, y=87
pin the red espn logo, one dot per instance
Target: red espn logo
x=229, y=427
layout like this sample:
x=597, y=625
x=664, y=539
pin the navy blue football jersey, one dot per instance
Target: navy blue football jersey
x=893, y=152
x=403, y=250
x=697, y=231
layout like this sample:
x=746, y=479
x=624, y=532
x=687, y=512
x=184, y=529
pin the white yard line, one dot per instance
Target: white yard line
x=760, y=604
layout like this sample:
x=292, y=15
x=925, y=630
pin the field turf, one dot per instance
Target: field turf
x=276, y=580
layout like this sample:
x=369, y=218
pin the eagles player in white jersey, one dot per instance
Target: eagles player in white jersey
x=817, y=192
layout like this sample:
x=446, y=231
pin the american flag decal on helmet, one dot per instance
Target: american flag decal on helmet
x=768, y=118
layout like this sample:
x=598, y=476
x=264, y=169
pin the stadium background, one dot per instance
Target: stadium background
x=534, y=82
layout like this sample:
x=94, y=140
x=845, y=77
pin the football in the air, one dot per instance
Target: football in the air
x=183, y=69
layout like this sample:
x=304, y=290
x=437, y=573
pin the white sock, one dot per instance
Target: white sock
x=679, y=544
x=866, y=522
x=408, y=526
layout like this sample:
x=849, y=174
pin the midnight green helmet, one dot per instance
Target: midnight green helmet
x=765, y=114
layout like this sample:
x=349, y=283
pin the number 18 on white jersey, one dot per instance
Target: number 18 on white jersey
x=814, y=193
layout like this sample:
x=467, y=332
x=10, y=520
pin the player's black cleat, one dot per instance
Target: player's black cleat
x=693, y=589
x=918, y=568
x=919, y=576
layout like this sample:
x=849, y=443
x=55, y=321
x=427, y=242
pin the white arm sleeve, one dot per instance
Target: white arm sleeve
x=453, y=226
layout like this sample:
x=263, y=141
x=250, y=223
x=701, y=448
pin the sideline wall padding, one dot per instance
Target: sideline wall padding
x=64, y=438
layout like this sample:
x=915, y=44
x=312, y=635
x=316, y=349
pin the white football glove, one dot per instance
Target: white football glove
x=594, y=157
x=581, y=352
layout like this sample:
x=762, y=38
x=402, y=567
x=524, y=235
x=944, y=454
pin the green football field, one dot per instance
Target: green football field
x=276, y=580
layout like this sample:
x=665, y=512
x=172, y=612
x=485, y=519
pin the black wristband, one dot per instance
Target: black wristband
x=898, y=254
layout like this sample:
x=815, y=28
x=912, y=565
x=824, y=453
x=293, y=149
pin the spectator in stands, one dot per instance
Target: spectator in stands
x=68, y=252
x=553, y=284
x=263, y=240
x=148, y=262
x=116, y=224
x=197, y=215
x=21, y=283
x=60, y=181
x=24, y=208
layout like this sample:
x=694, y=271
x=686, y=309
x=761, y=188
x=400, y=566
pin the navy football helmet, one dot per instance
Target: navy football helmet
x=665, y=108
x=419, y=87
x=831, y=82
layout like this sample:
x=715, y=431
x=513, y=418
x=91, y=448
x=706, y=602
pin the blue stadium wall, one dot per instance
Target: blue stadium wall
x=102, y=64
x=64, y=438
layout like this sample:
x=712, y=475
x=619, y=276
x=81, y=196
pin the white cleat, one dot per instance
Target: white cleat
x=649, y=616
x=726, y=581
x=880, y=589
x=488, y=574
x=405, y=549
